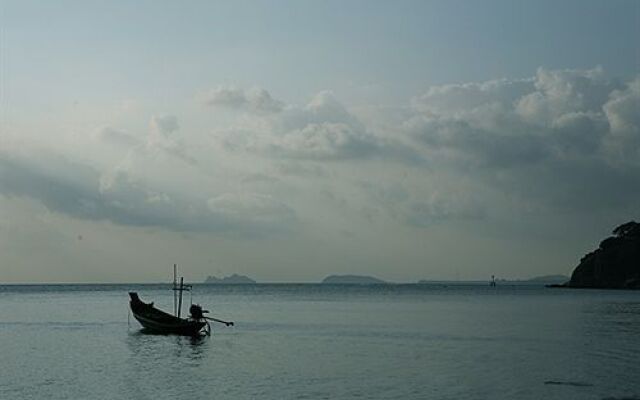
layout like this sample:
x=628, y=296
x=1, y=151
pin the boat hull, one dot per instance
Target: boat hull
x=158, y=321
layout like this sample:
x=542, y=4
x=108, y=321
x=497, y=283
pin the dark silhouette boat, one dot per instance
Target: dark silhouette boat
x=158, y=321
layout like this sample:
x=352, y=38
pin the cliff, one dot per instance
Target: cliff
x=615, y=264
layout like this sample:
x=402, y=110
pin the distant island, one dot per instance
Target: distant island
x=352, y=279
x=233, y=279
x=615, y=264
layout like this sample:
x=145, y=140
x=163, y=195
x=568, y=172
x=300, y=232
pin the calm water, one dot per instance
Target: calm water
x=332, y=342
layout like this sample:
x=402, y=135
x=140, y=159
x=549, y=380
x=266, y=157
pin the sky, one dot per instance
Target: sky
x=290, y=140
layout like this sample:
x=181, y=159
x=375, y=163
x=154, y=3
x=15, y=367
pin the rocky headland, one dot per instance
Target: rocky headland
x=615, y=264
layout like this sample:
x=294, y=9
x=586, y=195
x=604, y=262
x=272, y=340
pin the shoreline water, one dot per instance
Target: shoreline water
x=407, y=341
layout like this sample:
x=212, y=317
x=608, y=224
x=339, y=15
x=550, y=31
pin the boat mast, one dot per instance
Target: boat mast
x=177, y=292
x=180, y=300
x=175, y=287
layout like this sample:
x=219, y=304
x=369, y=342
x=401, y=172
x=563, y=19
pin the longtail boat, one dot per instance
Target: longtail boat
x=158, y=321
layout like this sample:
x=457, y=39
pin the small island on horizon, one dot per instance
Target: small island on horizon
x=232, y=279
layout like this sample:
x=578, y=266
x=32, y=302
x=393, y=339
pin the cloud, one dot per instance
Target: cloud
x=163, y=126
x=420, y=209
x=561, y=140
x=475, y=146
x=323, y=142
x=561, y=92
x=552, y=111
x=537, y=137
x=301, y=169
x=623, y=114
x=259, y=178
x=323, y=130
x=83, y=192
x=163, y=135
x=251, y=210
x=115, y=137
x=255, y=100
x=438, y=208
x=323, y=108
x=455, y=99
x=67, y=191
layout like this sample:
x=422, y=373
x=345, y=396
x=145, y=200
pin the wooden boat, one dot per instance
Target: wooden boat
x=158, y=321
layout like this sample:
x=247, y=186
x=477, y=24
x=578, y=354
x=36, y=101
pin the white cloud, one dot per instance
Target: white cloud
x=535, y=141
x=163, y=126
x=454, y=99
x=565, y=91
x=322, y=142
x=551, y=115
x=623, y=114
x=116, y=137
x=564, y=140
x=322, y=130
x=163, y=135
x=537, y=138
x=255, y=100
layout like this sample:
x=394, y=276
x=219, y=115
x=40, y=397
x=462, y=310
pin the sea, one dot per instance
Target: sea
x=319, y=341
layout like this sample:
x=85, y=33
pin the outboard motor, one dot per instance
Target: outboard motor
x=197, y=312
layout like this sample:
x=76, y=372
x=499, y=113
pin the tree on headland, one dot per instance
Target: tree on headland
x=629, y=229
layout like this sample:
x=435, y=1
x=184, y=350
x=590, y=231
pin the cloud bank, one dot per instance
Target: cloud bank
x=566, y=138
x=562, y=141
x=81, y=191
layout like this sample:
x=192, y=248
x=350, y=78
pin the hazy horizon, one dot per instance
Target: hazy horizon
x=288, y=141
x=188, y=280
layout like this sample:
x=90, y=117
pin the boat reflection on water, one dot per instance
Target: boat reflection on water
x=148, y=348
